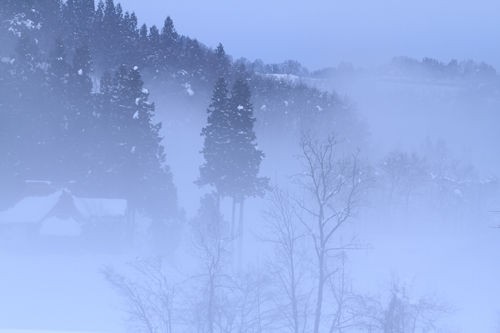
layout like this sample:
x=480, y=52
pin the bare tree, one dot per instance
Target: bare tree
x=149, y=297
x=211, y=243
x=333, y=184
x=287, y=239
x=405, y=173
x=402, y=314
x=348, y=306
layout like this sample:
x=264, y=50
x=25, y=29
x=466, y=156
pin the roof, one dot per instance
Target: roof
x=30, y=209
x=64, y=205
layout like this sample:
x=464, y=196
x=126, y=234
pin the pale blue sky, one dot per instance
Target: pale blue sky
x=322, y=33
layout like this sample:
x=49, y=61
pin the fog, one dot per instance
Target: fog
x=365, y=33
x=184, y=176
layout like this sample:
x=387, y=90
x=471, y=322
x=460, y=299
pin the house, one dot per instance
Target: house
x=61, y=214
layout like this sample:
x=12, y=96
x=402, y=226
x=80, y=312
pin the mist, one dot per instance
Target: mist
x=167, y=168
x=363, y=33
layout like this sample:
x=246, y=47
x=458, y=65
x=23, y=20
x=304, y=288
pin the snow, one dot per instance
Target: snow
x=240, y=107
x=55, y=226
x=136, y=68
x=35, y=209
x=189, y=89
x=80, y=72
x=136, y=115
x=289, y=78
x=40, y=331
x=20, y=21
x=30, y=209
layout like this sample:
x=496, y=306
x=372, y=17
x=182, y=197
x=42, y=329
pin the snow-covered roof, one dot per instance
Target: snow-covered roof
x=35, y=209
x=30, y=209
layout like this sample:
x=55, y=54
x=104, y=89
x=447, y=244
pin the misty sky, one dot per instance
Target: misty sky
x=323, y=33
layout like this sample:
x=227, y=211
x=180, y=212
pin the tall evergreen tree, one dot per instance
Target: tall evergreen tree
x=59, y=68
x=79, y=19
x=155, y=58
x=222, y=63
x=245, y=157
x=216, y=148
x=138, y=166
x=232, y=159
x=168, y=41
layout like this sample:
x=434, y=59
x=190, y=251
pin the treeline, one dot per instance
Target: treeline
x=169, y=59
x=103, y=143
x=74, y=110
x=426, y=67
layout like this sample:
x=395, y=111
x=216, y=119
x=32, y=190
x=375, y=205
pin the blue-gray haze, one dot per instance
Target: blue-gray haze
x=112, y=223
x=323, y=33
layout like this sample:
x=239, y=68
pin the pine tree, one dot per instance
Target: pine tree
x=80, y=81
x=168, y=42
x=246, y=154
x=59, y=68
x=82, y=112
x=222, y=62
x=78, y=16
x=216, y=149
x=139, y=166
x=232, y=159
x=154, y=48
x=245, y=157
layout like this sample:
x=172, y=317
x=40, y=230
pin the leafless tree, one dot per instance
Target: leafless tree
x=405, y=173
x=149, y=297
x=333, y=184
x=348, y=306
x=402, y=314
x=211, y=242
x=287, y=264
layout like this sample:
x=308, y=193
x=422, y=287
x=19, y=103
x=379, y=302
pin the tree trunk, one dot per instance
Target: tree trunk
x=218, y=202
x=240, y=231
x=210, y=310
x=295, y=308
x=233, y=218
x=319, y=299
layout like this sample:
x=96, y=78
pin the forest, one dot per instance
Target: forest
x=152, y=183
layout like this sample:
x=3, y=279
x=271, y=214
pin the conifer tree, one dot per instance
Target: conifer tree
x=59, y=68
x=155, y=58
x=168, y=40
x=232, y=159
x=222, y=63
x=216, y=149
x=79, y=18
x=245, y=157
x=140, y=170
